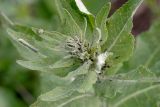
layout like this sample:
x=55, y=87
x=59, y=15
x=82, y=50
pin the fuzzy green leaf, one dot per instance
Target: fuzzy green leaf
x=64, y=62
x=122, y=83
x=156, y=68
x=71, y=28
x=46, y=65
x=120, y=42
x=87, y=84
x=81, y=84
x=147, y=49
x=76, y=100
x=83, y=69
x=56, y=94
x=32, y=42
x=84, y=10
x=24, y=50
x=48, y=78
x=118, y=22
x=136, y=97
x=101, y=19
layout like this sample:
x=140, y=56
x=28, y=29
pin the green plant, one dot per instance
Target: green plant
x=81, y=63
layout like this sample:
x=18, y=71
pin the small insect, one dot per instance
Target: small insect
x=117, y=57
x=110, y=80
x=26, y=44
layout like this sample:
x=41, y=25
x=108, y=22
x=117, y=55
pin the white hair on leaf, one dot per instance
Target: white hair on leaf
x=101, y=58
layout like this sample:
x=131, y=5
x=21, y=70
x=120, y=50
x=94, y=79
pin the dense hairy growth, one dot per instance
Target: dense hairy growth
x=83, y=61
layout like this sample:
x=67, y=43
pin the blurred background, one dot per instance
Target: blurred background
x=19, y=87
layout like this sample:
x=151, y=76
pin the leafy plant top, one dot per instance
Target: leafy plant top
x=79, y=62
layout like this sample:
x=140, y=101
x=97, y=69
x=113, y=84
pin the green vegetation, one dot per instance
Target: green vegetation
x=86, y=58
